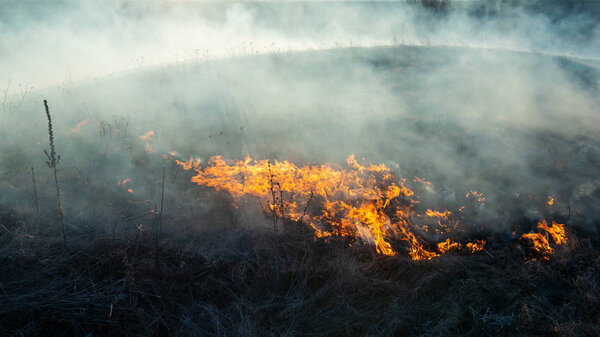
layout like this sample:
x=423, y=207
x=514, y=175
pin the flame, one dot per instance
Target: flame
x=122, y=184
x=550, y=201
x=187, y=165
x=541, y=242
x=556, y=231
x=362, y=202
x=79, y=125
x=477, y=246
x=437, y=214
x=478, y=195
x=146, y=136
x=447, y=245
x=421, y=180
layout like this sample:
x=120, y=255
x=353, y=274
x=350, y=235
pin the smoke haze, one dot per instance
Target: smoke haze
x=484, y=96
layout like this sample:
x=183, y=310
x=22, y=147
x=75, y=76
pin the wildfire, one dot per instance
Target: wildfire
x=79, y=125
x=477, y=246
x=447, y=245
x=146, y=136
x=437, y=214
x=187, y=165
x=475, y=194
x=123, y=184
x=541, y=241
x=359, y=201
x=421, y=180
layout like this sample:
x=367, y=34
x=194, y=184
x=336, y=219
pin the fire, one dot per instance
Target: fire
x=477, y=246
x=437, y=214
x=550, y=201
x=556, y=231
x=421, y=180
x=475, y=194
x=187, y=165
x=540, y=244
x=447, y=245
x=362, y=202
x=123, y=184
x=79, y=125
x=171, y=155
x=146, y=136
x=541, y=241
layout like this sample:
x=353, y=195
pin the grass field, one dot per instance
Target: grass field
x=485, y=141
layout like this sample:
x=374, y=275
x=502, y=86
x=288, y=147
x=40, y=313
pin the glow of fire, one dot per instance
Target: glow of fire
x=476, y=194
x=123, y=185
x=79, y=125
x=447, y=245
x=146, y=136
x=541, y=240
x=358, y=201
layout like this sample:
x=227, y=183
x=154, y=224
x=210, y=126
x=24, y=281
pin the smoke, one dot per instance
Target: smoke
x=482, y=96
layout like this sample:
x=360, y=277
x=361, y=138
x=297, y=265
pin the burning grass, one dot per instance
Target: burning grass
x=362, y=202
x=273, y=247
x=218, y=275
x=230, y=281
x=225, y=269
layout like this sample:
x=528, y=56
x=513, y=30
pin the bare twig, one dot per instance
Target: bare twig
x=274, y=203
x=312, y=195
x=274, y=219
x=53, y=160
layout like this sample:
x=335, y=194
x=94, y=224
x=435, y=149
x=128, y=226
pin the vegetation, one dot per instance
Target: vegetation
x=225, y=282
x=223, y=272
x=150, y=254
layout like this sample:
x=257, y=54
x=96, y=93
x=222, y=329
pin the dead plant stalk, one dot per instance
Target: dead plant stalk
x=52, y=162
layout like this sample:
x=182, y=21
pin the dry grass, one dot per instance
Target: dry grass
x=228, y=272
x=225, y=283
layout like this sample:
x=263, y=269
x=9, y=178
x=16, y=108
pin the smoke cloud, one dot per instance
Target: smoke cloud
x=484, y=96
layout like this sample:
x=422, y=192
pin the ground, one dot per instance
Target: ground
x=217, y=267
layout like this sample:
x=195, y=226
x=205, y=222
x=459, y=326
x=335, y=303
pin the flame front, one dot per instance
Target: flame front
x=541, y=241
x=359, y=201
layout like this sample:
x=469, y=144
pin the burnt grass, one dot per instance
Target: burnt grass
x=225, y=271
x=266, y=284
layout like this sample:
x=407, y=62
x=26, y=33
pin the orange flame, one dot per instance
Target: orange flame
x=556, y=231
x=79, y=125
x=541, y=242
x=447, y=245
x=437, y=214
x=478, y=195
x=363, y=202
x=146, y=136
x=477, y=246
x=421, y=180
x=122, y=184
x=187, y=165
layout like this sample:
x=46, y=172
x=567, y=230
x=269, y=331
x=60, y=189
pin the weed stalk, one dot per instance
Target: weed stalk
x=53, y=160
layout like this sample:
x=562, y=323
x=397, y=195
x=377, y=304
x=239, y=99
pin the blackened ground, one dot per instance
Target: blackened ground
x=239, y=282
x=224, y=271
